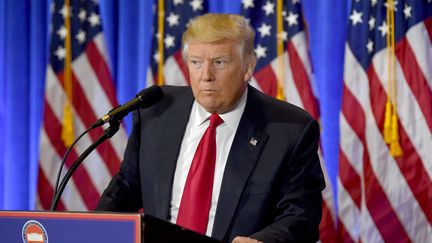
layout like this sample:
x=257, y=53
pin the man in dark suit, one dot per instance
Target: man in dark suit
x=266, y=180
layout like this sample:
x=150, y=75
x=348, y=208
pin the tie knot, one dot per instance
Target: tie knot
x=215, y=120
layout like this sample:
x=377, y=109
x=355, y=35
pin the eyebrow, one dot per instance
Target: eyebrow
x=213, y=58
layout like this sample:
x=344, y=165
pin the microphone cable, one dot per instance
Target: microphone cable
x=65, y=158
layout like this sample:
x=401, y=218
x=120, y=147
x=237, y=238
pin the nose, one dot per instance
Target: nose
x=207, y=72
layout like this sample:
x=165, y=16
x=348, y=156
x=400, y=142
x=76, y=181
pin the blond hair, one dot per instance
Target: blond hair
x=216, y=27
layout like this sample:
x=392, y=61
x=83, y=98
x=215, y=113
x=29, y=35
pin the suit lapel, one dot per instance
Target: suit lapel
x=244, y=153
x=171, y=131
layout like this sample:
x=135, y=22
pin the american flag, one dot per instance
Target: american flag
x=285, y=71
x=79, y=89
x=385, y=194
x=170, y=21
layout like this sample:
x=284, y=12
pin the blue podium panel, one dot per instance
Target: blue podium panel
x=68, y=227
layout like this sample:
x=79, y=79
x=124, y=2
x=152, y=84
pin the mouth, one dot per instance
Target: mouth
x=208, y=91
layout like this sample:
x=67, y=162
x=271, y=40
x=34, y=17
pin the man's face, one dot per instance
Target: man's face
x=218, y=74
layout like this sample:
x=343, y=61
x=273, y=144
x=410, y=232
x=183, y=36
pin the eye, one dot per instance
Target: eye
x=220, y=62
x=195, y=62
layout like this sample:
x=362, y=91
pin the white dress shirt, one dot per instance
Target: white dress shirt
x=197, y=124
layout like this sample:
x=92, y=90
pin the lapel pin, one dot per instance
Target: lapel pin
x=253, y=141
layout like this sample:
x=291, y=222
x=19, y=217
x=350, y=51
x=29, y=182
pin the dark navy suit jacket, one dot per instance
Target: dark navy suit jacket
x=271, y=189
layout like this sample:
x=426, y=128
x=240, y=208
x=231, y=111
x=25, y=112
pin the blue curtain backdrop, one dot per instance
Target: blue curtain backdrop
x=24, y=26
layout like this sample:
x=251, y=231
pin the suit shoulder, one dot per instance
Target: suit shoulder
x=174, y=98
x=281, y=111
x=171, y=90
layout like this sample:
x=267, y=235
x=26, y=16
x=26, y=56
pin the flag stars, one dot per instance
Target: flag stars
x=248, y=4
x=82, y=15
x=173, y=19
x=384, y=29
x=295, y=1
x=261, y=51
x=189, y=22
x=407, y=11
x=65, y=11
x=81, y=36
x=177, y=2
x=283, y=35
x=169, y=41
x=371, y=23
x=391, y=5
x=156, y=56
x=356, y=17
x=62, y=32
x=369, y=46
x=292, y=19
x=60, y=53
x=268, y=8
x=374, y=2
x=196, y=5
x=264, y=30
x=94, y=19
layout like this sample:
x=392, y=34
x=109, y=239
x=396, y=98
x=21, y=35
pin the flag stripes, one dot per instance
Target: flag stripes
x=301, y=78
x=378, y=194
x=93, y=95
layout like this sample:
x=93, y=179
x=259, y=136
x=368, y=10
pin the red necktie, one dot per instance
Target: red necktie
x=196, y=199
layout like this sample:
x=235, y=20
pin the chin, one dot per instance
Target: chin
x=210, y=108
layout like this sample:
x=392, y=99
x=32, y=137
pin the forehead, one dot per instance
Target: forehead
x=216, y=48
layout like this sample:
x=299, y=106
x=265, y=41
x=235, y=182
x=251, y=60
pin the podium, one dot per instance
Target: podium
x=72, y=227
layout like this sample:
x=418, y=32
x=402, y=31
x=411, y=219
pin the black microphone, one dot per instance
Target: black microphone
x=145, y=98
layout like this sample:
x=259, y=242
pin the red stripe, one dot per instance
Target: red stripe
x=410, y=163
x=327, y=226
x=380, y=208
x=81, y=178
x=415, y=79
x=85, y=111
x=101, y=70
x=46, y=192
x=267, y=80
x=302, y=82
x=179, y=60
x=377, y=202
x=428, y=25
x=343, y=235
x=350, y=179
x=350, y=104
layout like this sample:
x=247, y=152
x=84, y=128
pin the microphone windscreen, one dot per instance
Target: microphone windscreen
x=150, y=96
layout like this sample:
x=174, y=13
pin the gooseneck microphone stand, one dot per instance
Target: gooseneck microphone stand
x=114, y=126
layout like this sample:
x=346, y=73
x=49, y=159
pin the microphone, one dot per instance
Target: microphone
x=144, y=99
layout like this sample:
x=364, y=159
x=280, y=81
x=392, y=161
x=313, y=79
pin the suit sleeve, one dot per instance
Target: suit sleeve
x=298, y=207
x=123, y=194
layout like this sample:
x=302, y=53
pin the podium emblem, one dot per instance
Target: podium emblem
x=34, y=232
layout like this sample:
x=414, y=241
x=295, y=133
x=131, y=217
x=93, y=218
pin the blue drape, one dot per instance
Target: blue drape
x=24, y=31
x=23, y=43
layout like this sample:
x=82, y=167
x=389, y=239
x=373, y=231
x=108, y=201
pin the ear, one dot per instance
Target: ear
x=250, y=67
